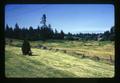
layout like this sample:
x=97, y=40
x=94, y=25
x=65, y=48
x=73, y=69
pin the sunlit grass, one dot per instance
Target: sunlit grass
x=45, y=63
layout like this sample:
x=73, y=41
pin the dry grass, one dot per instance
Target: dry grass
x=50, y=64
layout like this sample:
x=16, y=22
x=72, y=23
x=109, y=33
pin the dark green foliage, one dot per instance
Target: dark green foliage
x=17, y=32
x=61, y=34
x=64, y=51
x=109, y=35
x=46, y=32
x=9, y=32
x=106, y=35
x=83, y=56
x=43, y=20
x=112, y=35
x=96, y=58
x=26, y=48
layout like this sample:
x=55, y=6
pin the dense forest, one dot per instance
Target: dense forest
x=46, y=32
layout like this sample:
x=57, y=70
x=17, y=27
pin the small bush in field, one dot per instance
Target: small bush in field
x=83, y=56
x=56, y=50
x=26, y=48
x=96, y=58
x=64, y=51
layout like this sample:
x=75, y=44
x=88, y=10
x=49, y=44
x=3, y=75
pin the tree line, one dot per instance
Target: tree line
x=41, y=33
x=108, y=35
x=46, y=32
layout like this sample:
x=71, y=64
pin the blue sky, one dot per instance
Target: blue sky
x=73, y=18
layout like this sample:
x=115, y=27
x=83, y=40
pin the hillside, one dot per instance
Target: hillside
x=50, y=63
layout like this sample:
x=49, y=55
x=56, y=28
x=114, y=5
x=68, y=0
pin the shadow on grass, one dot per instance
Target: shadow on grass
x=33, y=55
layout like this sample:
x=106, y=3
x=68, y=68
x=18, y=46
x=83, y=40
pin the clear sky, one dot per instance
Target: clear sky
x=73, y=18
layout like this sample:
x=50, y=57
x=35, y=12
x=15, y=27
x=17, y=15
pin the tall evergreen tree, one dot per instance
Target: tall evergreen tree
x=43, y=21
x=38, y=33
x=9, y=32
x=56, y=34
x=112, y=33
x=106, y=35
x=62, y=34
x=31, y=33
x=51, y=32
x=17, y=32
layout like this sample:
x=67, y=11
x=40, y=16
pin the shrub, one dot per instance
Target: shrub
x=26, y=48
x=96, y=58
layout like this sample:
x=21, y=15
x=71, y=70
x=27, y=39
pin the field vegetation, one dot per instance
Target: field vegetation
x=61, y=59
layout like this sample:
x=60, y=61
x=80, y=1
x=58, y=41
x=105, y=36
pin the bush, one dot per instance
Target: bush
x=26, y=48
x=96, y=58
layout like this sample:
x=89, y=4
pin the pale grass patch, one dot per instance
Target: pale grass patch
x=45, y=63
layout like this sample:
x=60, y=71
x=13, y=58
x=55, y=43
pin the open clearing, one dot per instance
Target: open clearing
x=57, y=64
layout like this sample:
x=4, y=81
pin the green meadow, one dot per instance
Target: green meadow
x=65, y=62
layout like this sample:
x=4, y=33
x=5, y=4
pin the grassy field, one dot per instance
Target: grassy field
x=52, y=63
